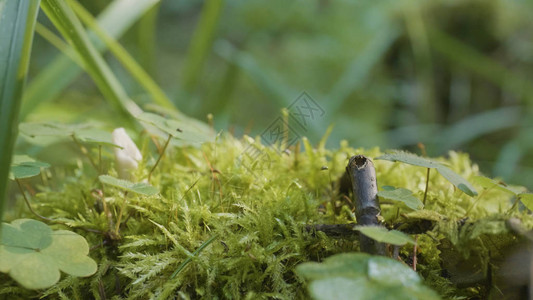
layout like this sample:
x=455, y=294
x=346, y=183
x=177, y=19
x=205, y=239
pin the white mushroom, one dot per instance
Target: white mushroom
x=127, y=158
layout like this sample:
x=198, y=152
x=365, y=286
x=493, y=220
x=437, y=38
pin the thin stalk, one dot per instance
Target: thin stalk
x=414, y=253
x=28, y=202
x=284, y=141
x=85, y=152
x=100, y=159
x=159, y=158
x=427, y=186
x=119, y=219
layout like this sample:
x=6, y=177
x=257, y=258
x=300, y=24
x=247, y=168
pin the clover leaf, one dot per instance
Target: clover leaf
x=349, y=275
x=24, y=166
x=401, y=195
x=33, y=254
x=451, y=176
x=84, y=132
x=381, y=234
x=185, y=132
x=139, y=188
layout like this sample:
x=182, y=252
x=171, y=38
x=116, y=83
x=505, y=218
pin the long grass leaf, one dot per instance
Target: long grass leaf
x=480, y=64
x=70, y=27
x=50, y=82
x=201, y=43
x=17, y=20
x=123, y=57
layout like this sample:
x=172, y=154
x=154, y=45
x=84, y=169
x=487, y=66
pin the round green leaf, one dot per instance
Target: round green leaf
x=344, y=264
x=95, y=136
x=139, y=188
x=381, y=234
x=365, y=289
x=32, y=254
x=363, y=276
x=50, y=129
x=187, y=133
x=340, y=288
x=383, y=269
x=83, y=132
x=24, y=166
x=402, y=195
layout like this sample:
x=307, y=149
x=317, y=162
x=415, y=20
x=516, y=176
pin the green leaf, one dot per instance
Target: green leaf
x=188, y=132
x=402, y=195
x=139, y=188
x=381, y=234
x=32, y=254
x=201, y=43
x=17, y=21
x=96, y=136
x=24, y=166
x=122, y=55
x=413, y=159
x=457, y=180
x=83, y=132
x=369, y=277
x=490, y=183
x=50, y=129
x=527, y=200
x=410, y=158
x=117, y=17
x=346, y=288
x=72, y=30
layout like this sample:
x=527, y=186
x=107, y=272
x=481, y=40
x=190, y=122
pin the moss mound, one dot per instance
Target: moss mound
x=230, y=223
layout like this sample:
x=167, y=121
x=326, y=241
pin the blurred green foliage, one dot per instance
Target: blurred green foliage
x=453, y=75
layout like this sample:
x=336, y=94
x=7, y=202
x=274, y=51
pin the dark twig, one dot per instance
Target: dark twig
x=365, y=193
x=334, y=230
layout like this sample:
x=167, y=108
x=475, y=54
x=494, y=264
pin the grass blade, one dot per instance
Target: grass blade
x=123, y=57
x=17, y=20
x=480, y=64
x=201, y=43
x=115, y=20
x=70, y=27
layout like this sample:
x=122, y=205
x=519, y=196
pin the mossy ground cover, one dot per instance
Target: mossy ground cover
x=230, y=225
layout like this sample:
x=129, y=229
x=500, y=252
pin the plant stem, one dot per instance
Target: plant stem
x=117, y=226
x=28, y=202
x=414, y=253
x=100, y=159
x=85, y=152
x=159, y=158
x=427, y=185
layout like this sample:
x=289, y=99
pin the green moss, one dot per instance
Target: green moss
x=258, y=210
